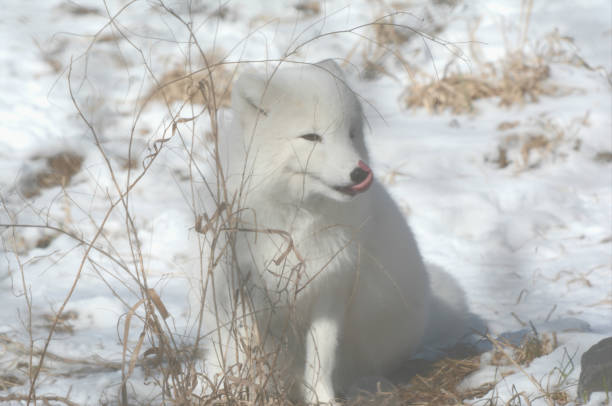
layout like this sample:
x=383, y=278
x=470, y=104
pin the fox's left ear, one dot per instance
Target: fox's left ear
x=332, y=67
x=248, y=94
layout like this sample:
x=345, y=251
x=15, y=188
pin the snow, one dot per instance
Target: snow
x=528, y=242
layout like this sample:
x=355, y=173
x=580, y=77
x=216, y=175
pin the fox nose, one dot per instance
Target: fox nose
x=360, y=173
x=362, y=178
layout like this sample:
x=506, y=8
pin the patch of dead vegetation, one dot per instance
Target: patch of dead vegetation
x=45, y=400
x=180, y=85
x=532, y=346
x=305, y=9
x=310, y=8
x=603, y=157
x=79, y=9
x=45, y=240
x=7, y=381
x=52, y=53
x=382, y=397
x=507, y=125
x=517, y=79
x=521, y=77
x=55, y=170
x=388, y=36
x=538, y=140
x=64, y=322
x=390, y=33
x=439, y=386
x=62, y=167
x=425, y=382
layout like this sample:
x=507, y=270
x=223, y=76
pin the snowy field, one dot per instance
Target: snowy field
x=489, y=122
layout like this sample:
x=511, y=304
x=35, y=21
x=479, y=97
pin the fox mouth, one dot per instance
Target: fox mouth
x=355, y=189
x=362, y=183
x=360, y=187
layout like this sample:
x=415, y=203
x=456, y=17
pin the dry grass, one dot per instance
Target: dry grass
x=79, y=10
x=61, y=168
x=389, y=35
x=310, y=8
x=7, y=381
x=603, y=157
x=64, y=323
x=521, y=76
x=178, y=85
x=534, y=346
x=57, y=170
x=45, y=400
x=537, y=140
x=531, y=347
x=516, y=80
x=439, y=385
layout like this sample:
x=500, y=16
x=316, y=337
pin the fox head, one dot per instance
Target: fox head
x=302, y=133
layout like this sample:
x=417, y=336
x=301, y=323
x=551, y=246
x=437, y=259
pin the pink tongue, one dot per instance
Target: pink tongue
x=363, y=186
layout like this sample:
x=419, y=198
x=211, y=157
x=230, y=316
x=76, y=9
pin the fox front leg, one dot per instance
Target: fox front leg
x=321, y=346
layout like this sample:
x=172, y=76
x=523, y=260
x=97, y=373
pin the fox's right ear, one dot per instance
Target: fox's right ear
x=248, y=94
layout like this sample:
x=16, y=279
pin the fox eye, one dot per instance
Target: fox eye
x=311, y=137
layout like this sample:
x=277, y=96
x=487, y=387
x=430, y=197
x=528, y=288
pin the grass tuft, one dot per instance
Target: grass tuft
x=517, y=79
x=180, y=85
x=439, y=386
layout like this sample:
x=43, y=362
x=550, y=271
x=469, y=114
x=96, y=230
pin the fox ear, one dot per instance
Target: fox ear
x=247, y=94
x=332, y=67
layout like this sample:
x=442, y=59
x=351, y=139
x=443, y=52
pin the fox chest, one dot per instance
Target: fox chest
x=293, y=262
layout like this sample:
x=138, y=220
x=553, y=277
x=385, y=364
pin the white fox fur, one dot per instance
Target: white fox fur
x=331, y=273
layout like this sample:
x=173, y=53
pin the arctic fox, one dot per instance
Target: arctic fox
x=321, y=259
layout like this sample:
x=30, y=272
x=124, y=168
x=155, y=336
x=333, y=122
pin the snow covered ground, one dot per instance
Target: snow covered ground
x=528, y=234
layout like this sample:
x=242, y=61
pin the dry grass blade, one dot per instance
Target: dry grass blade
x=126, y=333
x=159, y=305
x=204, y=224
